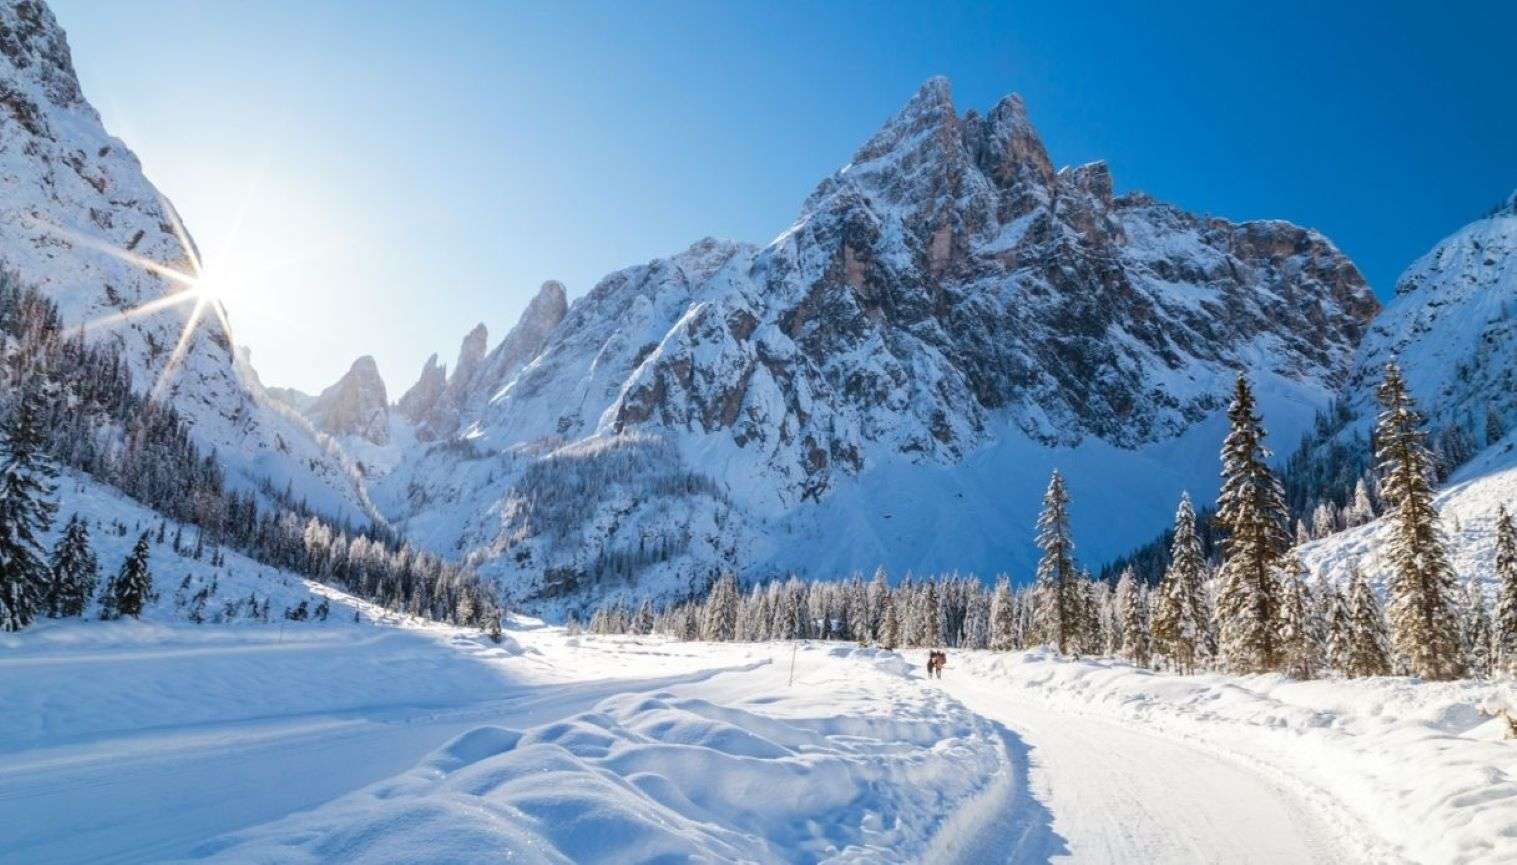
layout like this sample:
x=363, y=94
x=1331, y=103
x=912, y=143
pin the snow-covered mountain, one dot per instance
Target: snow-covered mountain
x=1452, y=327
x=70, y=193
x=888, y=381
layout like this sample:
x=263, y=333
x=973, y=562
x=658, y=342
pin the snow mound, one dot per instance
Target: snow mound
x=1417, y=764
x=658, y=778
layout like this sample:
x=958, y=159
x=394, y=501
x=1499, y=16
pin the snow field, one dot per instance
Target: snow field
x=869, y=772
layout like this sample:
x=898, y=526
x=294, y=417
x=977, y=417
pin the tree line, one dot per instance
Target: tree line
x=1250, y=608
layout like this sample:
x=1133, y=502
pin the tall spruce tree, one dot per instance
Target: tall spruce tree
x=720, y=624
x=1180, y=616
x=1003, y=617
x=26, y=510
x=73, y=572
x=1368, y=645
x=1136, y=639
x=1422, y=592
x=1251, y=511
x=1505, y=625
x=132, y=587
x=1060, y=607
x=1301, y=651
x=1475, y=629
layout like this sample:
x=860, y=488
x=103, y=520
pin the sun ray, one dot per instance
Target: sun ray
x=144, y=309
x=180, y=349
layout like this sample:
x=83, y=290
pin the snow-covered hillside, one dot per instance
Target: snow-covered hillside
x=80, y=220
x=1452, y=329
x=889, y=381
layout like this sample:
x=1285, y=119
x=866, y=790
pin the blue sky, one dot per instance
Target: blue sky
x=418, y=167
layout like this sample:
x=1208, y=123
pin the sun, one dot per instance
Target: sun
x=202, y=289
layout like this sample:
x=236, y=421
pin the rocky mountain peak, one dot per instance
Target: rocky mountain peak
x=37, y=49
x=418, y=401
x=355, y=406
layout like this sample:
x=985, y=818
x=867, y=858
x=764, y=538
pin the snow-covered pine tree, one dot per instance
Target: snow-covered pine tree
x=73, y=571
x=720, y=623
x=1422, y=594
x=1505, y=625
x=132, y=587
x=642, y=622
x=1301, y=653
x=1136, y=640
x=1003, y=617
x=931, y=618
x=1180, y=616
x=1090, y=638
x=1059, y=602
x=26, y=510
x=1475, y=630
x=890, y=623
x=1339, y=626
x=1368, y=645
x=1360, y=510
x=1251, y=511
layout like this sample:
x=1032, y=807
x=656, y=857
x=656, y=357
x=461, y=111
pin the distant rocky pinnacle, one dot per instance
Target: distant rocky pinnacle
x=438, y=402
x=355, y=406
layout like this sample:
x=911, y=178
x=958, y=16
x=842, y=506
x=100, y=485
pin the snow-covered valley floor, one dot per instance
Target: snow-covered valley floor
x=412, y=743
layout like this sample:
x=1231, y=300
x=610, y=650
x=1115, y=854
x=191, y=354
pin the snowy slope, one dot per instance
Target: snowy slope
x=68, y=192
x=1468, y=503
x=1453, y=329
x=948, y=318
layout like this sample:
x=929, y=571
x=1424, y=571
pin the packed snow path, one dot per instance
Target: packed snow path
x=1120, y=795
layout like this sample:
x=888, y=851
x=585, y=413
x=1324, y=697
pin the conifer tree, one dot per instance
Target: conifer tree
x=931, y=618
x=1251, y=510
x=1059, y=601
x=73, y=572
x=1136, y=640
x=1003, y=617
x=1180, y=618
x=1505, y=625
x=720, y=623
x=1339, y=628
x=132, y=587
x=1368, y=645
x=26, y=511
x=1301, y=653
x=1476, y=632
x=1422, y=593
x=890, y=624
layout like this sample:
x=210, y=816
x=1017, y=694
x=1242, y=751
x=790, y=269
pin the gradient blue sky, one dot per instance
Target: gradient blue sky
x=427, y=165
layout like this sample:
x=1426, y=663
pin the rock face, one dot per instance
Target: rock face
x=415, y=404
x=355, y=406
x=74, y=204
x=948, y=318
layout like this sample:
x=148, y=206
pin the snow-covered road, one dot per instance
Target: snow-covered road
x=1120, y=795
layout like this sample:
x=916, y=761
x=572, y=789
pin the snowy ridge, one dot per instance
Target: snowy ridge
x=946, y=302
x=68, y=189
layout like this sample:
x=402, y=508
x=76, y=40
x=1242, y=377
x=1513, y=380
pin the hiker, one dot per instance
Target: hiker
x=936, y=661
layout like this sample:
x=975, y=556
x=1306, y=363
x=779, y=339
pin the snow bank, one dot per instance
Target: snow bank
x=659, y=777
x=1417, y=764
